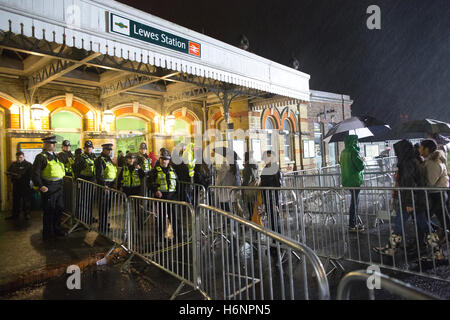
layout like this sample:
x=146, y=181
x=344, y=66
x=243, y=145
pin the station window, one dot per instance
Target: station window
x=269, y=126
x=288, y=145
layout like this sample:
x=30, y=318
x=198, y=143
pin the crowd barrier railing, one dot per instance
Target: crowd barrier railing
x=101, y=209
x=163, y=233
x=251, y=262
x=415, y=226
x=394, y=286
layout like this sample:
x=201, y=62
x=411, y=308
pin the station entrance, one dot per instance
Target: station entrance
x=132, y=131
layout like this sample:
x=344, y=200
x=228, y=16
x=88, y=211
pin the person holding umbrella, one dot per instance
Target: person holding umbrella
x=352, y=166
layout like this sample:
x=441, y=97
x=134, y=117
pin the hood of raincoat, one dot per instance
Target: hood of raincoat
x=404, y=150
x=351, y=142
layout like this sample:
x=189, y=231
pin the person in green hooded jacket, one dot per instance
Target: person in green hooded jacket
x=352, y=166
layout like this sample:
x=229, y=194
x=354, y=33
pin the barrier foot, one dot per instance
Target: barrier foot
x=126, y=264
x=336, y=266
x=74, y=228
x=175, y=294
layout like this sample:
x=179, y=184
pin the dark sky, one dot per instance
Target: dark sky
x=402, y=69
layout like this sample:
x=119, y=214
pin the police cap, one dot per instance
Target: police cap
x=66, y=143
x=165, y=155
x=50, y=139
x=107, y=146
x=88, y=144
x=143, y=146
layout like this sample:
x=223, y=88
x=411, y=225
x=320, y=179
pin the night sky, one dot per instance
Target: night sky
x=399, y=72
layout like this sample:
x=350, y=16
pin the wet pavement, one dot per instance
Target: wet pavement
x=23, y=250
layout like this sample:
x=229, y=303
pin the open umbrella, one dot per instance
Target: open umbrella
x=424, y=126
x=362, y=126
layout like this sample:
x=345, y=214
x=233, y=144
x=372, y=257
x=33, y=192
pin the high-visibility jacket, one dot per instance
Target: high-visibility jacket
x=68, y=165
x=89, y=169
x=161, y=180
x=54, y=170
x=130, y=179
x=110, y=172
x=188, y=155
x=147, y=164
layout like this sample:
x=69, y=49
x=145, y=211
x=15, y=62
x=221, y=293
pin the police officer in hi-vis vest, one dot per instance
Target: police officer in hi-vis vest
x=163, y=184
x=131, y=177
x=47, y=174
x=145, y=163
x=105, y=173
x=130, y=180
x=66, y=157
x=84, y=168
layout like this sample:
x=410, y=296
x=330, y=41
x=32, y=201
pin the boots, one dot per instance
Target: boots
x=435, y=248
x=395, y=241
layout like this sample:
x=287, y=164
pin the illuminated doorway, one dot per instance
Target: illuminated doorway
x=67, y=126
x=131, y=133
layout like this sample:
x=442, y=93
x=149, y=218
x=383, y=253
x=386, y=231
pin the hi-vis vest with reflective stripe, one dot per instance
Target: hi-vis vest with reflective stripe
x=89, y=170
x=130, y=179
x=189, y=155
x=162, y=181
x=147, y=164
x=54, y=171
x=110, y=172
x=68, y=165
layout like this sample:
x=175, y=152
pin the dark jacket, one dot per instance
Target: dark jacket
x=100, y=166
x=410, y=174
x=249, y=174
x=202, y=175
x=352, y=165
x=79, y=164
x=269, y=178
x=64, y=156
x=23, y=174
x=182, y=171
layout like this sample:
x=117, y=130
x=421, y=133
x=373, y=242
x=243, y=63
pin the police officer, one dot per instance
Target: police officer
x=47, y=174
x=131, y=177
x=20, y=173
x=163, y=184
x=66, y=157
x=105, y=173
x=144, y=162
x=84, y=168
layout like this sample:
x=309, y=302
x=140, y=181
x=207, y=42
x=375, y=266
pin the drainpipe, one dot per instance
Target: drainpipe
x=300, y=136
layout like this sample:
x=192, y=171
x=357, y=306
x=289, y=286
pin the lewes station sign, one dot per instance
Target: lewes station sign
x=152, y=35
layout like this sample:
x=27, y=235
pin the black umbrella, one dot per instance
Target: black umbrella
x=224, y=151
x=424, y=126
x=362, y=126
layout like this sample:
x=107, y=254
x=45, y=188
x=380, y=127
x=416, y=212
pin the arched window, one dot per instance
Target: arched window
x=288, y=145
x=269, y=126
x=67, y=126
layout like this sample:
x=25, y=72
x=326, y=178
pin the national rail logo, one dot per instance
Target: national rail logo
x=194, y=48
x=120, y=25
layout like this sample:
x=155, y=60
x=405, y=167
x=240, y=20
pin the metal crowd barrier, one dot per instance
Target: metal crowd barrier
x=250, y=262
x=413, y=252
x=220, y=197
x=394, y=286
x=192, y=193
x=312, y=216
x=162, y=232
x=101, y=209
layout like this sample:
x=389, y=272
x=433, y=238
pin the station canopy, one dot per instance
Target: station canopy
x=119, y=49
